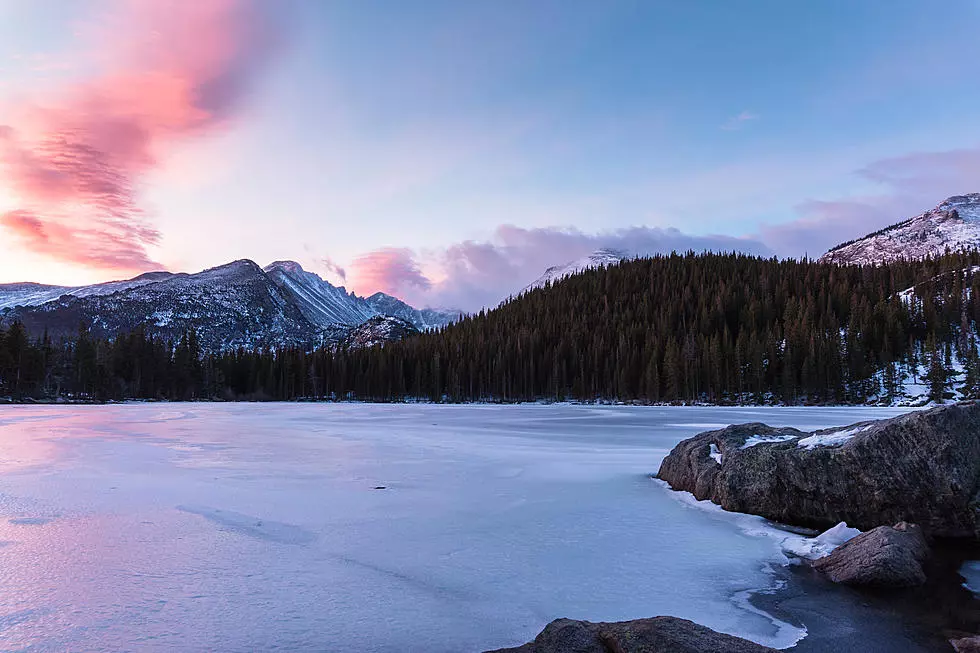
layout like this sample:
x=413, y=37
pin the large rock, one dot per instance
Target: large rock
x=922, y=468
x=883, y=557
x=657, y=635
x=966, y=644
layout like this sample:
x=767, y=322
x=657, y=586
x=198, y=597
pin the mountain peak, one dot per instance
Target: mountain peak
x=966, y=206
x=290, y=267
x=601, y=257
x=953, y=225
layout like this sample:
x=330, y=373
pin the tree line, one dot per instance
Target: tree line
x=719, y=328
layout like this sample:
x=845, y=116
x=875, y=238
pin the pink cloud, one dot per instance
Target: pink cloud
x=106, y=247
x=169, y=72
x=391, y=270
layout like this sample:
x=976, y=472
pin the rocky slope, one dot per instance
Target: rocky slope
x=378, y=330
x=599, y=258
x=953, y=225
x=922, y=468
x=230, y=306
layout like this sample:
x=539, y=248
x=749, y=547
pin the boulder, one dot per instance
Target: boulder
x=966, y=644
x=883, y=557
x=923, y=467
x=656, y=635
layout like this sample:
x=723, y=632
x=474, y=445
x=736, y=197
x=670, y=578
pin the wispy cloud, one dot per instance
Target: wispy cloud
x=168, y=72
x=739, y=121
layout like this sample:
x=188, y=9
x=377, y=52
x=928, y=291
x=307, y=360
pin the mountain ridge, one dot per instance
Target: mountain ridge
x=237, y=304
x=954, y=224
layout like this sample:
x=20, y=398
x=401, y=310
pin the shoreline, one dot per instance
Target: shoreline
x=841, y=618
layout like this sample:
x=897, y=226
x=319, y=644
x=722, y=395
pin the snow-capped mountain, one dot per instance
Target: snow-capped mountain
x=326, y=305
x=600, y=258
x=953, y=225
x=35, y=294
x=321, y=302
x=234, y=305
x=424, y=319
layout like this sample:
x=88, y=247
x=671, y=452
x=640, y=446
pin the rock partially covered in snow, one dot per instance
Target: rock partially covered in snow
x=883, y=557
x=812, y=548
x=922, y=467
x=657, y=635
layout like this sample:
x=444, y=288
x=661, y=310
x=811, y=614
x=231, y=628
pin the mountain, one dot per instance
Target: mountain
x=953, y=225
x=327, y=305
x=234, y=305
x=378, y=330
x=35, y=294
x=600, y=258
x=322, y=303
x=425, y=319
x=230, y=306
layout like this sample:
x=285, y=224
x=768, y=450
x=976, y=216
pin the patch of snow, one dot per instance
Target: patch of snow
x=831, y=439
x=714, y=453
x=954, y=224
x=766, y=439
x=600, y=258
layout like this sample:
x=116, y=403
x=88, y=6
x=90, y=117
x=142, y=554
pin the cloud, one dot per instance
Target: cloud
x=167, y=72
x=106, y=247
x=391, y=270
x=907, y=185
x=331, y=267
x=473, y=274
x=737, y=122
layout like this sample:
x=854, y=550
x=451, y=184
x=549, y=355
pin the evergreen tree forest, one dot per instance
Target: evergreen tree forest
x=718, y=328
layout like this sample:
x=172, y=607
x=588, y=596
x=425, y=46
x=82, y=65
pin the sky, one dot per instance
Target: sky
x=448, y=152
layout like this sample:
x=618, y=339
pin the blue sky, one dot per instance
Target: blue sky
x=447, y=150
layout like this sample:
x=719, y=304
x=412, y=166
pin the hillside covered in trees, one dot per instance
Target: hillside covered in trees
x=722, y=328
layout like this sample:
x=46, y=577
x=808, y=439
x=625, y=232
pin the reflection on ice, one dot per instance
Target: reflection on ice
x=496, y=520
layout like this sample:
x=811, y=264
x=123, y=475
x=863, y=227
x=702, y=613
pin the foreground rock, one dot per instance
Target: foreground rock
x=922, y=468
x=657, y=635
x=883, y=557
x=966, y=644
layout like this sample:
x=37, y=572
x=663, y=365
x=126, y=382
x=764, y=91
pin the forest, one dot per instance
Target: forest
x=711, y=328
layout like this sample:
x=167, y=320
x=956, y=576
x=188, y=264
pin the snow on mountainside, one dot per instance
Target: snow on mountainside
x=953, y=225
x=321, y=302
x=229, y=306
x=424, y=319
x=378, y=330
x=35, y=294
x=599, y=258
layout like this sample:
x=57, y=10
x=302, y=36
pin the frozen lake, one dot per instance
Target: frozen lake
x=243, y=527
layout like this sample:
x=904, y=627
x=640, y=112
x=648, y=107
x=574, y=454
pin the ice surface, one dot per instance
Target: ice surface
x=971, y=572
x=766, y=439
x=240, y=527
x=797, y=546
